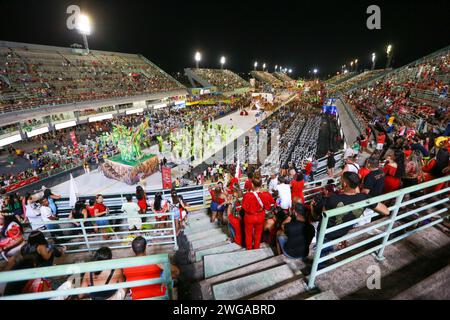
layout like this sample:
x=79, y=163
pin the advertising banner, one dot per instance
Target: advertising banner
x=166, y=177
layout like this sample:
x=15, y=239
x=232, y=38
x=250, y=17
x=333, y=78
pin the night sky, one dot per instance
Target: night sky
x=300, y=35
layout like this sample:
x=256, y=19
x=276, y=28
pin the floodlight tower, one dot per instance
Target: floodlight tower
x=255, y=65
x=264, y=67
x=198, y=58
x=276, y=67
x=374, y=57
x=222, y=62
x=84, y=28
x=356, y=65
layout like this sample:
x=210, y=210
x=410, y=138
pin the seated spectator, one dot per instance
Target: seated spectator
x=38, y=246
x=132, y=210
x=99, y=278
x=296, y=235
x=11, y=235
x=349, y=195
x=139, y=246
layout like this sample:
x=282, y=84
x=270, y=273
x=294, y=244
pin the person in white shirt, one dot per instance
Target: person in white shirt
x=284, y=194
x=351, y=165
x=47, y=216
x=131, y=209
x=33, y=215
x=273, y=182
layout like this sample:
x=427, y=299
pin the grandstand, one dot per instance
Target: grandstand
x=283, y=77
x=350, y=82
x=340, y=77
x=412, y=92
x=36, y=77
x=267, y=78
x=225, y=80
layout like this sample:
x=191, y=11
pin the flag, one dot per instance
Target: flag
x=73, y=192
x=238, y=170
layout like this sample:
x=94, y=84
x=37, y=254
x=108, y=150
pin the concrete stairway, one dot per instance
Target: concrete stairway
x=216, y=268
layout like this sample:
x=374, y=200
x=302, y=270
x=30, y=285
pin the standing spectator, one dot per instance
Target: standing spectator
x=255, y=205
x=284, y=200
x=248, y=186
x=297, y=189
x=132, y=210
x=51, y=200
x=373, y=183
x=381, y=139
x=48, y=216
x=100, y=210
x=331, y=163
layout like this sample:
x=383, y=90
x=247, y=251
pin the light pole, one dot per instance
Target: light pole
x=290, y=71
x=85, y=29
x=255, y=65
x=356, y=65
x=351, y=66
x=264, y=67
x=222, y=62
x=276, y=67
x=198, y=58
x=315, y=72
x=389, y=56
x=374, y=56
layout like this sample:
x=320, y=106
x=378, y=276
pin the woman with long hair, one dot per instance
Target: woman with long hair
x=38, y=246
x=297, y=186
x=218, y=199
x=255, y=205
x=142, y=199
x=179, y=210
x=160, y=207
x=394, y=170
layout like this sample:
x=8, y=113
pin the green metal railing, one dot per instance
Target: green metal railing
x=391, y=224
x=74, y=273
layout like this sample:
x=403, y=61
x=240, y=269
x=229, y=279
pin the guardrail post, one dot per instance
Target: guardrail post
x=398, y=201
x=174, y=230
x=168, y=279
x=203, y=195
x=319, y=245
x=86, y=239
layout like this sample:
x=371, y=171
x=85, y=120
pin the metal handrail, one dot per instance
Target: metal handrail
x=74, y=270
x=388, y=235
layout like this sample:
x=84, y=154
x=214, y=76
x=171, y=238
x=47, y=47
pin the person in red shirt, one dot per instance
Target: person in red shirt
x=248, y=186
x=142, y=199
x=381, y=139
x=100, y=210
x=234, y=214
x=255, y=205
x=297, y=189
x=153, y=271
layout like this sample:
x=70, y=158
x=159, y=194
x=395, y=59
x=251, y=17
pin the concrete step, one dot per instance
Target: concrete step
x=227, y=247
x=207, y=242
x=327, y=295
x=219, y=263
x=253, y=283
x=190, y=230
x=285, y=291
x=434, y=287
x=205, y=234
x=206, y=285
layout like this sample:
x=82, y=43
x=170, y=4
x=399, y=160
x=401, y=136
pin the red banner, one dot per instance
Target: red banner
x=166, y=177
x=21, y=184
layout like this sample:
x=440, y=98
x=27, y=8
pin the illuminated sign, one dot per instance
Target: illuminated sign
x=37, y=132
x=100, y=118
x=64, y=125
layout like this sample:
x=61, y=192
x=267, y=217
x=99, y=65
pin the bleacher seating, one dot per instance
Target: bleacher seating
x=283, y=77
x=355, y=81
x=412, y=92
x=266, y=77
x=34, y=76
x=225, y=80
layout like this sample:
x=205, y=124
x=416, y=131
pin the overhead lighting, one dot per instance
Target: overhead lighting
x=84, y=24
x=198, y=56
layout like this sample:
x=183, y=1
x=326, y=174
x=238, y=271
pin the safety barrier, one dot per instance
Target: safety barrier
x=389, y=235
x=78, y=234
x=74, y=273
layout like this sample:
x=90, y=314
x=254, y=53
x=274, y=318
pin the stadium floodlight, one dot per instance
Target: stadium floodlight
x=256, y=64
x=264, y=66
x=290, y=71
x=374, y=56
x=198, y=58
x=276, y=67
x=84, y=28
x=315, y=71
x=389, y=56
x=222, y=61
